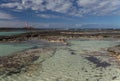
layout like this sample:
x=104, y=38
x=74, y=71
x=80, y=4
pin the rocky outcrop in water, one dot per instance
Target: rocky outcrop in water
x=98, y=62
x=60, y=35
x=23, y=61
x=115, y=51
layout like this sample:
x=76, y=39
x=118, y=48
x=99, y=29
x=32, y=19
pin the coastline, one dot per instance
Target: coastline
x=61, y=36
x=19, y=62
x=41, y=62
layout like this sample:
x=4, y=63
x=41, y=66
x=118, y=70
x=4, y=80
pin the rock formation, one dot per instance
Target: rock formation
x=24, y=61
x=115, y=51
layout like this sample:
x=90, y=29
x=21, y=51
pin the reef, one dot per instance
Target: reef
x=61, y=36
x=115, y=52
x=24, y=61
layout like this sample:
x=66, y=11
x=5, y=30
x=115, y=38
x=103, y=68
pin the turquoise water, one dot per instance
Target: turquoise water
x=11, y=33
x=92, y=45
x=10, y=48
x=78, y=46
x=64, y=66
x=7, y=49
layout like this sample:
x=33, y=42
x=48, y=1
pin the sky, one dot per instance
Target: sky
x=60, y=13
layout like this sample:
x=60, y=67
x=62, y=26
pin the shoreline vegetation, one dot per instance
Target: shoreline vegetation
x=30, y=60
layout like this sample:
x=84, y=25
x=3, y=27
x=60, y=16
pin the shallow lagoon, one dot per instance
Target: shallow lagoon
x=7, y=49
x=92, y=45
x=11, y=48
x=70, y=64
x=11, y=33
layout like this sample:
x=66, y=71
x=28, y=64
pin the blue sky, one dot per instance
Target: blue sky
x=60, y=13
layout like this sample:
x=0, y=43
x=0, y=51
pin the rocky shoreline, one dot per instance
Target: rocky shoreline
x=24, y=61
x=30, y=60
x=115, y=52
x=60, y=36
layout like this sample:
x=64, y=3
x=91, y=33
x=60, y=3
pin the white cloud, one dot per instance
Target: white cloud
x=48, y=16
x=83, y=7
x=17, y=23
x=21, y=24
x=4, y=23
x=10, y=5
x=5, y=16
x=99, y=7
x=87, y=3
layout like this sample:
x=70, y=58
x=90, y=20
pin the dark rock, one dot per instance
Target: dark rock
x=73, y=53
x=98, y=62
x=13, y=64
x=113, y=78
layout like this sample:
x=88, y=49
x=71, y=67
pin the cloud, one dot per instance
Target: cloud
x=6, y=23
x=5, y=16
x=87, y=3
x=21, y=24
x=47, y=16
x=18, y=23
x=99, y=7
x=68, y=7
